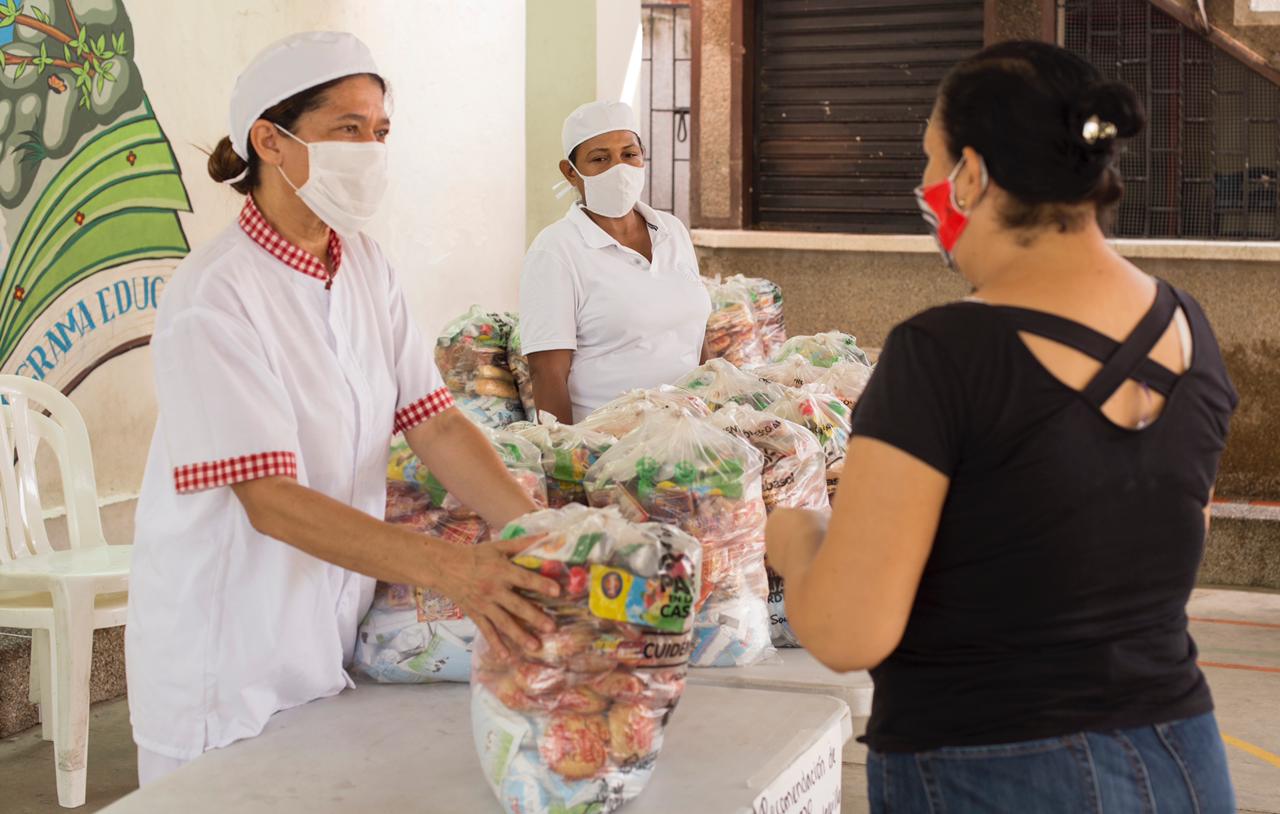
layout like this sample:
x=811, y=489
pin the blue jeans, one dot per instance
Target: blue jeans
x=1173, y=768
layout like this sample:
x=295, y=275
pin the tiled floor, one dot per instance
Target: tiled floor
x=1238, y=634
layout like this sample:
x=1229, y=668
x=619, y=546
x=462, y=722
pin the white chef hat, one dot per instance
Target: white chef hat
x=290, y=66
x=594, y=118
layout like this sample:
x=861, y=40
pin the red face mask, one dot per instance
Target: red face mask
x=942, y=212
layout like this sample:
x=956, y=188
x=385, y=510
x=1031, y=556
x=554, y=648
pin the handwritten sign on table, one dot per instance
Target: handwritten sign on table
x=811, y=784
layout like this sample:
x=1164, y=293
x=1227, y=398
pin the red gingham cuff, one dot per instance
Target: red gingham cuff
x=424, y=408
x=211, y=474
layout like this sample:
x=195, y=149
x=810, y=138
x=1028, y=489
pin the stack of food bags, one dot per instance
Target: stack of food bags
x=687, y=472
x=576, y=725
x=732, y=333
x=567, y=451
x=719, y=383
x=471, y=353
x=766, y=307
x=827, y=418
x=794, y=477
x=626, y=412
x=824, y=349
x=413, y=635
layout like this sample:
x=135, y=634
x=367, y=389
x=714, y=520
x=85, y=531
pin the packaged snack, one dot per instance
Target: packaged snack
x=566, y=452
x=520, y=367
x=766, y=306
x=577, y=725
x=624, y=414
x=824, y=349
x=687, y=472
x=794, y=371
x=732, y=333
x=471, y=353
x=719, y=383
x=844, y=380
x=794, y=477
x=827, y=418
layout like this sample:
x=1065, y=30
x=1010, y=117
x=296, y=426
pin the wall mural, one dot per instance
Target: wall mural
x=90, y=191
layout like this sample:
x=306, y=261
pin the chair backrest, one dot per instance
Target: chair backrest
x=32, y=412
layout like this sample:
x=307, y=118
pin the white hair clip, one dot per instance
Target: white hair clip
x=1095, y=129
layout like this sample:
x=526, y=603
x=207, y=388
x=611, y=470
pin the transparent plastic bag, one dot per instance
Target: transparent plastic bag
x=519, y=364
x=844, y=380
x=577, y=725
x=471, y=353
x=794, y=371
x=566, y=452
x=827, y=418
x=687, y=472
x=719, y=383
x=824, y=349
x=626, y=412
x=766, y=306
x=412, y=635
x=732, y=333
x=794, y=477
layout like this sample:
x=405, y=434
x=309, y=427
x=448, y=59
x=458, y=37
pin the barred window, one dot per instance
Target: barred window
x=1206, y=165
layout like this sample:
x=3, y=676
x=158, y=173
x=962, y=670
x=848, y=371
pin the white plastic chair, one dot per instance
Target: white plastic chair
x=62, y=596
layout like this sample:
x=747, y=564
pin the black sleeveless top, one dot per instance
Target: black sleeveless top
x=1054, y=598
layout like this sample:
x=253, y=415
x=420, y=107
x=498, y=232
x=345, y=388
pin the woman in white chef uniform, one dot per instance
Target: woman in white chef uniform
x=285, y=359
x=610, y=297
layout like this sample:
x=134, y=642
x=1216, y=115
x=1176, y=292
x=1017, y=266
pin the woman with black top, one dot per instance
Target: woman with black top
x=1024, y=506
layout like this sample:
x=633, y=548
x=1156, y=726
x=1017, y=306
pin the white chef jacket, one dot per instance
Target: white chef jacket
x=630, y=323
x=261, y=369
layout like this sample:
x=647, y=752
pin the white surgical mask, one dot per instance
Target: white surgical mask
x=346, y=182
x=614, y=192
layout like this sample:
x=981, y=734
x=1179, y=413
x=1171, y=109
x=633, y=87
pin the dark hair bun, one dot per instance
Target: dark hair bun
x=1024, y=105
x=1113, y=102
x=224, y=165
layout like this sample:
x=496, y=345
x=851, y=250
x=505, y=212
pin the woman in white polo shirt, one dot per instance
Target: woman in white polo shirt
x=610, y=297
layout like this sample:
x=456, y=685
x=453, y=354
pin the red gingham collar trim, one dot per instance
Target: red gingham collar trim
x=261, y=232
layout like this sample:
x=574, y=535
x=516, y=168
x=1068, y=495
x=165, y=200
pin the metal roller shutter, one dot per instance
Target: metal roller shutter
x=841, y=94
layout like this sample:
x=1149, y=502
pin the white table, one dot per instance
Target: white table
x=398, y=748
x=798, y=672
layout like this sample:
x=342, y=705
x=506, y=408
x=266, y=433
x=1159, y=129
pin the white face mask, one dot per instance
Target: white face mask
x=614, y=192
x=346, y=182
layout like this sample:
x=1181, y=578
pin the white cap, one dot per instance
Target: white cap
x=595, y=118
x=290, y=66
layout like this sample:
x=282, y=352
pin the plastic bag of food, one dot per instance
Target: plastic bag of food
x=766, y=306
x=519, y=364
x=471, y=353
x=844, y=380
x=732, y=332
x=719, y=383
x=689, y=473
x=794, y=477
x=411, y=486
x=827, y=418
x=566, y=452
x=626, y=412
x=794, y=371
x=413, y=635
x=577, y=725
x=824, y=349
